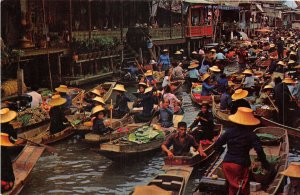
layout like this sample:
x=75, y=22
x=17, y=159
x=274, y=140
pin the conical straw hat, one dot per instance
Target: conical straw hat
x=119, y=87
x=291, y=62
x=298, y=66
x=248, y=71
x=244, y=116
x=181, y=50
x=99, y=99
x=178, y=53
x=96, y=92
x=97, y=109
x=7, y=115
x=5, y=140
x=215, y=69
x=205, y=76
x=239, y=94
x=288, y=81
x=193, y=65
x=230, y=83
x=272, y=45
x=293, y=170
x=143, y=84
x=268, y=87
x=213, y=50
x=149, y=73
x=293, y=53
x=281, y=63
x=57, y=100
x=62, y=88
x=148, y=89
x=194, y=52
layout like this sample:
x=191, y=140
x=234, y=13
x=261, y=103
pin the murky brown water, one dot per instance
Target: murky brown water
x=75, y=169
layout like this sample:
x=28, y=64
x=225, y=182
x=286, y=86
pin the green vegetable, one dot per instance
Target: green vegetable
x=266, y=136
x=76, y=122
x=24, y=119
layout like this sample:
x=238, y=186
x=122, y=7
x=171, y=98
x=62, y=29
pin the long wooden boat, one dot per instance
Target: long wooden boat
x=23, y=165
x=278, y=150
x=120, y=149
x=176, y=85
x=197, y=98
x=220, y=115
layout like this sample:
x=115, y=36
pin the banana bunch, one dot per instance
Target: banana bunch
x=10, y=87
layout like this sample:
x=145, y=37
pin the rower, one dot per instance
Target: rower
x=142, y=86
x=238, y=100
x=263, y=98
x=100, y=126
x=181, y=142
x=121, y=107
x=93, y=99
x=249, y=81
x=57, y=116
x=147, y=100
x=240, y=139
x=63, y=92
x=193, y=74
x=293, y=172
x=215, y=73
x=165, y=114
x=207, y=88
x=207, y=126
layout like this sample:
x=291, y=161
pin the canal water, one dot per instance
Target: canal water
x=76, y=169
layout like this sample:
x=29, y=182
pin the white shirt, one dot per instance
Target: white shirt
x=165, y=81
x=36, y=99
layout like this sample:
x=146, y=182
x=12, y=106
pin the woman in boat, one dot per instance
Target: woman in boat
x=171, y=97
x=93, y=99
x=263, y=98
x=121, y=107
x=8, y=138
x=207, y=126
x=57, y=116
x=165, y=114
x=63, y=92
x=147, y=101
x=249, y=81
x=207, y=88
x=99, y=125
x=193, y=74
x=225, y=99
x=240, y=139
x=293, y=172
x=138, y=103
x=238, y=100
x=178, y=72
x=148, y=78
x=222, y=83
x=181, y=142
x=215, y=73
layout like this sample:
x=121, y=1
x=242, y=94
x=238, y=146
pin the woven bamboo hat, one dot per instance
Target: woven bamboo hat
x=97, y=109
x=96, y=92
x=143, y=84
x=288, y=81
x=248, y=71
x=5, y=140
x=148, y=73
x=215, y=69
x=239, y=94
x=244, y=116
x=293, y=170
x=281, y=63
x=194, y=52
x=181, y=50
x=205, y=76
x=230, y=83
x=57, y=100
x=148, y=89
x=298, y=66
x=99, y=99
x=293, y=53
x=7, y=115
x=62, y=88
x=165, y=50
x=272, y=45
x=193, y=65
x=119, y=87
x=213, y=50
x=268, y=87
x=291, y=62
x=178, y=53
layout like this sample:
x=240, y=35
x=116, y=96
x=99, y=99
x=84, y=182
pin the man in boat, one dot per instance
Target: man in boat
x=222, y=83
x=8, y=138
x=238, y=100
x=240, y=139
x=58, y=120
x=121, y=106
x=207, y=126
x=293, y=172
x=193, y=74
x=181, y=142
x=263, y=98
x=165, y=113
x=99, y=125
x=63, y=92
x=147, y=101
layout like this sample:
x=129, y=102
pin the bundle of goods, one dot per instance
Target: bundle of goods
x=145, y=134
x=10, y=87
x=265, y=111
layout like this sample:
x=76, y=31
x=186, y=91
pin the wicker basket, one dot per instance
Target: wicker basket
x=266, y=113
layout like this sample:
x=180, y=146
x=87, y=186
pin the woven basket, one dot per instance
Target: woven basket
x=266, y=113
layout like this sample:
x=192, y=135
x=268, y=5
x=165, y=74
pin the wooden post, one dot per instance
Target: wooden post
x=20, y=78
x=188, y=48
x=90, y=19
x=182, y=21
x=70, y=19
x=122, y=20
x=170, y=19
x=59, y=66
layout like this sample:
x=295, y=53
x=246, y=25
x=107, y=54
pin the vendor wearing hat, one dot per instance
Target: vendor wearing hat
x=238, y=100
x=57, y=115
x=207, y=88
x=8, y=138
x=141, y=92
x=121, y=107
x=95, y=102
x=263, y=98
x=293, y=55
x=293, y=172
x=281, y=66
x=89, y=98
x=63, y=92
x=193, y=74
x=148, y=78
x=164, y=60
x=240, y=139
x=249, y=81
x=100, y=127
x=177, y=72
x=215, y=73
x=147, y=101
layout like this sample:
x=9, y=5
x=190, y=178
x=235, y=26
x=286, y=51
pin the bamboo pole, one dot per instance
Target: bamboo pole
x=110, y=118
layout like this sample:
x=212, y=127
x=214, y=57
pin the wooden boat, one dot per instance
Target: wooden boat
x=220, y=115
x=23, y=165
x=120, y=149
x=176, y=85
x=279, y=150
x=197, y=98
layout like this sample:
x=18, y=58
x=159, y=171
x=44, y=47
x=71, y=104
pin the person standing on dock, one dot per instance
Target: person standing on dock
x=121, y=107
x=181, y=142
x=240, y=139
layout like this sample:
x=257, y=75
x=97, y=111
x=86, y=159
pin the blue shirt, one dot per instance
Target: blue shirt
x=222, y=84
x=165, y=61
x=149, y=44
x=166, y=117
x=206, y=89
x=204, y=68
x=220, y=56
x=194, y=74
x=225, y=101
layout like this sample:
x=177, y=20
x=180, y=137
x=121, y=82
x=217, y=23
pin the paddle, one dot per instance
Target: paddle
x=273, y=104
x=48, y=148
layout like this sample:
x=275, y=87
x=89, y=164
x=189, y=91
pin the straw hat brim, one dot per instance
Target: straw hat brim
x=5, y=118
x=238, y=119
x=99, y=99
x=96, y=92
x=204, y=77
x=147, y=90
x=193, y=66
x=292, y=171
x=63, y=90
x=5, y=140
x=241, y=95
x=57, y=102
x=214, y=69
x=288, y=81
x=117, y=88
x=97, y=109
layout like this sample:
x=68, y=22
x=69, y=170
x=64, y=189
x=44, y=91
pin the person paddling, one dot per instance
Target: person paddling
x=121, y=107
x=99, y=124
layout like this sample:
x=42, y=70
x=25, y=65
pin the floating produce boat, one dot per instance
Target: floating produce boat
x=196, y=95
x=220, y=115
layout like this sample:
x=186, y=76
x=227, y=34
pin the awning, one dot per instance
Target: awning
x=259, y=7
x=199, y=2
x=224, y=7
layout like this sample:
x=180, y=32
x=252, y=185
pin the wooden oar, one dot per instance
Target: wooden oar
x=48, y=148
x=110, y=118
x=277, y=110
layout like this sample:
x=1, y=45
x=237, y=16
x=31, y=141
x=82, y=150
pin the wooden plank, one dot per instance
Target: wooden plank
x=89, y=79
